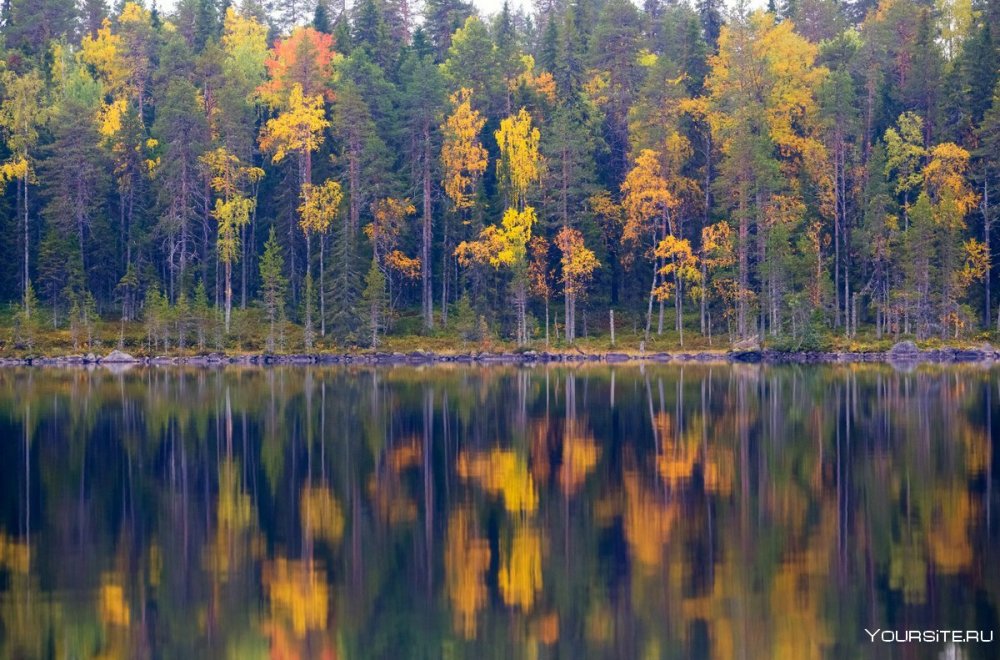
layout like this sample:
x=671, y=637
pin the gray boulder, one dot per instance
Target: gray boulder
x=119, y=357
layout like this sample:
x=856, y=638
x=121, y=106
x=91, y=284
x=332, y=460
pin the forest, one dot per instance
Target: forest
x=300, y=176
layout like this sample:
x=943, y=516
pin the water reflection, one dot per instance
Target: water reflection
x=428, y=512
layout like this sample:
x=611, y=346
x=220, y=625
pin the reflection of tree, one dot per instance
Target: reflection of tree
x=579, y=456
x=466, y=559
x=521, y=567
x=321, y=514
x=647, y=522
x=501, y=472
x=299, y=594
x=386, y=487
x=712, y=512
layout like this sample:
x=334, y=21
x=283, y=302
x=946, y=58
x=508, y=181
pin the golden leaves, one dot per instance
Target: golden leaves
x=232, y=211
x=109, y=117
x=646, y=196
x=390, y=215
x=500, y=246
x=518, y=141
x=16, y=168
x=945, y=183
x=542, y=83
x=578, y=262
x=320, y=205
x=977, y=262
x=679, y=262
x=297, y=129
x=462, y=153
x=103, y=51
x=408, y=267
x=717, y=250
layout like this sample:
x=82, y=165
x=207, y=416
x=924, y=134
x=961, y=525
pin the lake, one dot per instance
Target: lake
x=454, y=511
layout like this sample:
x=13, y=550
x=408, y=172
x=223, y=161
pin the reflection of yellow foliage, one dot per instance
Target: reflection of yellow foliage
x=797, y=597
x=234, y=515
x=392, y=504
x=405, y=455
x=948, y=537
x=600, y=623
x=539, y=432
x=548, y=628
x=908, y=570
x=717, y=609
x=14, y=556
x=233, y=507
x=502, y=472
x=680, y=457
x=578, y=458
x=521, y=569
x=978, y=450
x=466, y=559
x=321, y=513
x=647, y=523
x=155, y=564
x=298, y=591
x=111, y=598
x=717, y=470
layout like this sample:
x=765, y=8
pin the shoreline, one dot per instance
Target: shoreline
x=903, y=353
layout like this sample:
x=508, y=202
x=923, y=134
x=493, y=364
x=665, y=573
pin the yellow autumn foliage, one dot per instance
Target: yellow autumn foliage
x=462, y=153
x=299, y=128
x=501, y=472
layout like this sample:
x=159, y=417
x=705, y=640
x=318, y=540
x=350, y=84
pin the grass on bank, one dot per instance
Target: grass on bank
x=248, y=334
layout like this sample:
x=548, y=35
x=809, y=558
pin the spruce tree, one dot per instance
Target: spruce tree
x=272, y=286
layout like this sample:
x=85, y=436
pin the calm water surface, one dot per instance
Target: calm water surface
x=667, y=512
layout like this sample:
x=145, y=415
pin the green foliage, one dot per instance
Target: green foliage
x=273, y=283
x=26, y=322
x=802, y=139
x=374, y=303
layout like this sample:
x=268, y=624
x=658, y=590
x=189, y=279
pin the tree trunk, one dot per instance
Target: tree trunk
x=322, y=287
x=444, y=272
x=27, y=239
x=229, y=292
x=427, y=296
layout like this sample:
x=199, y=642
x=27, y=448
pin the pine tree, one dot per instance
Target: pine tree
x=374, y=303
x=272, y=288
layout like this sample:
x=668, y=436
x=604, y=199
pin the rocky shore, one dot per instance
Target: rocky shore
x=903, y=353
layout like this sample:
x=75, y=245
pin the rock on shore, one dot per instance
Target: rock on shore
x=903, y=354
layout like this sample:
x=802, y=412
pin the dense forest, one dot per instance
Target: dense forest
x=321, y=175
